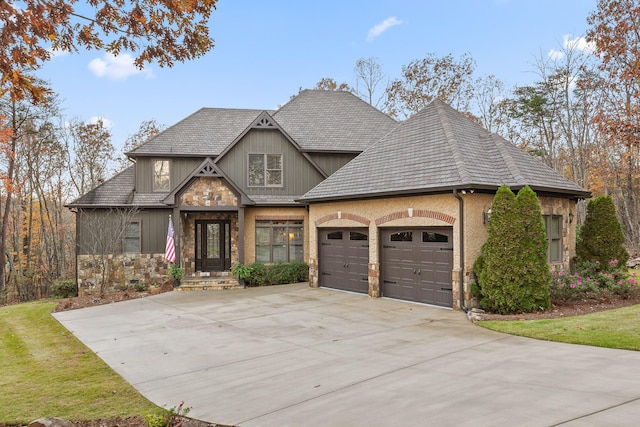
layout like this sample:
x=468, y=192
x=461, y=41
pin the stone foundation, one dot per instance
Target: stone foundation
x=374, y=279
x=122, y=270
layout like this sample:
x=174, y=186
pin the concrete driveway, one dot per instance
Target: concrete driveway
x=295, y=356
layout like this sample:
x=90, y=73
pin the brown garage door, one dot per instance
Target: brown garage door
x=344, y=259
x=416, y=264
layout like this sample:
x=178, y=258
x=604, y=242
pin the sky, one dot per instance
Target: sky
x=265, y=51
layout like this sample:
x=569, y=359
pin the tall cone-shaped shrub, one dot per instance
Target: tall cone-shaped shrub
x=503, y=268
x=601, y=237
x=533, y=253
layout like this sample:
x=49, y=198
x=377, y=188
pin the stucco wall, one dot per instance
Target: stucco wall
x=427, y=211
x=251, y=215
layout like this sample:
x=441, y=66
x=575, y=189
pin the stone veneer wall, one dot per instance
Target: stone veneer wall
x=207, y=191
x=124, y=270
x=188, y=237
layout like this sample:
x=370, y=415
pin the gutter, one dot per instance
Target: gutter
x=461, y=226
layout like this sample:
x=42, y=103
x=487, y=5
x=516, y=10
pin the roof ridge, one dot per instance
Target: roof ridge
x=450, y=135
x=499, y=142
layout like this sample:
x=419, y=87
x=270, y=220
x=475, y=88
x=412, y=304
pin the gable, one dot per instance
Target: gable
x=299, y=173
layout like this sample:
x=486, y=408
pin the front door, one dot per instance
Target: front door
x=213, y=245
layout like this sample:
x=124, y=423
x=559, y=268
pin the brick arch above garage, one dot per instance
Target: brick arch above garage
x=340, y=215
x=415, y=213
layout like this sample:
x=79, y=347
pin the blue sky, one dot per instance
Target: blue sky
x=266, y=50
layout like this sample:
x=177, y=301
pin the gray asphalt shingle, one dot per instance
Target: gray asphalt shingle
x=322, y=120
x=437, y=149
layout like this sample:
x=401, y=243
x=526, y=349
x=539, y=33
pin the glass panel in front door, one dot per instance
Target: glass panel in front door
x=213, y=240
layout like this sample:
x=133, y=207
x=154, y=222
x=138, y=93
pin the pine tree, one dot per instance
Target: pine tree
x=602, y=238
x=503, y=268
x=534, y=245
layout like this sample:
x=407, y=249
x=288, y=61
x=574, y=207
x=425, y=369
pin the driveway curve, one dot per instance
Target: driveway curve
x=296, y=356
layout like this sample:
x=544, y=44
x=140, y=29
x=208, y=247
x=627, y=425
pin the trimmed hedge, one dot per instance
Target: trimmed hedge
x=514, y=274
x=601, y=236
x=259, y=274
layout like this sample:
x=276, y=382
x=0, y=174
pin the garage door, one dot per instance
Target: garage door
x=416, y=264
x=344, y=259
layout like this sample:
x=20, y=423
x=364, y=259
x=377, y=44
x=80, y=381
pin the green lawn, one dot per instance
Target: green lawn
x=47, y=372
x=613, y=328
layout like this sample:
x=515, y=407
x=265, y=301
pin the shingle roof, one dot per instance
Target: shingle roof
x=321, y=120
x=206, y=132
x=317, y=120
x=117, y=191
x=435, y=150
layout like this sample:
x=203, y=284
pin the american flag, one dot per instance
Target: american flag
x=170, y=250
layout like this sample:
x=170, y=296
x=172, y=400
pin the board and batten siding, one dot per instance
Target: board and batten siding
x=331, y=162
x=180, y=168
x=97, y=228
x=298, y=174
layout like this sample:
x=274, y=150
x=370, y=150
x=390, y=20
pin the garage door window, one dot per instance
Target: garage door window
x=428, y=237
x=279, y=241
x=402, y=236
x=354, y=235
x=335, y=235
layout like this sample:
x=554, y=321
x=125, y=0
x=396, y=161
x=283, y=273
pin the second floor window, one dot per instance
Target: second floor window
x=161, y=180
x=265, y=170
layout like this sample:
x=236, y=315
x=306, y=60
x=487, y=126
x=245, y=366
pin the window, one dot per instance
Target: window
x=553, y=223
x=265, y=170
x=161, y=180
x=279, y=241
x=334, y=235
x=402, y=236
x=132, y=237
x=428, y=237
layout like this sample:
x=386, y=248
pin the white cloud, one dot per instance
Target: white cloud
x=555, y=55
x=56, y=53
x=380, y=28
x=570, y=43
x=116, y=67
x=106, y=123
x=579, y=43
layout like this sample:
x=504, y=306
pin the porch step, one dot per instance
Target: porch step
x=209, y=282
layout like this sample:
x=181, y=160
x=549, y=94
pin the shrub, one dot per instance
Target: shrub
x=533, y=250
x=259, y=274
x=588, y=282
x=64, y=289
x=140, y=287
x=513, y=270
x=503, y=270
x=601, y=236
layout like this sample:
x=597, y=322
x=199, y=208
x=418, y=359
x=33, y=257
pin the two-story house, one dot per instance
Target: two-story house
x=373, y=205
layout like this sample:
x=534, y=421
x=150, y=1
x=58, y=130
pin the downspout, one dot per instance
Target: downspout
x=461, y=233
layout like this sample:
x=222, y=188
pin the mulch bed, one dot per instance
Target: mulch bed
x=573, y=308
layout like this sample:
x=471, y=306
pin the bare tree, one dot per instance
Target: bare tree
x=147, y=130
x=101, y=236
x=423, y=80
x=369, y=72
x=91, y=145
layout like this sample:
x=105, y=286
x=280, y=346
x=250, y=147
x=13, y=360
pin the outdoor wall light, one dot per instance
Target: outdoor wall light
x=486, y=216
x=570, y=217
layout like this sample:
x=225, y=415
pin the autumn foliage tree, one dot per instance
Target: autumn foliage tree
x=158, y=31
x=615, y=31
x=423, y=80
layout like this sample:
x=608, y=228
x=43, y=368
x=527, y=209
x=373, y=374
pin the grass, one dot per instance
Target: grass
x=618, y=328
x=47, y=372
